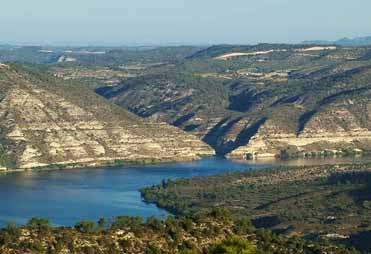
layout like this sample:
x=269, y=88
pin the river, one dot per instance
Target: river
x=67, y=196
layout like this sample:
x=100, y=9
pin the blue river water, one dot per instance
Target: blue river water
x=67, y=196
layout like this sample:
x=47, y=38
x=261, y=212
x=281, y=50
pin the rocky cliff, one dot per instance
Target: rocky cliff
x=45, y=122
x=262, y=101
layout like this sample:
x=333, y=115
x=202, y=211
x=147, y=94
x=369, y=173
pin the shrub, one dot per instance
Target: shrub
x=39, y=224
x=12, y=228
x=155, y=223
x=244, y=226
x=220, y=213
x=152, y=249
x=86, y=226
x=135, y=224
x=102, y=223
x=233, y=245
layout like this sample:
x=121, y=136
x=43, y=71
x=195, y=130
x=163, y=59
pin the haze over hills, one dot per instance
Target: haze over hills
x=93, y=55
x=46, y=122
x=354, y=42
x=115, y=55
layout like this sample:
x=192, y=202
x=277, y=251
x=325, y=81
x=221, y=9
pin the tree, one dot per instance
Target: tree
x=11, y=228
x=38, y=224
x=135, y=224
x=244, y=226
x=102, y=223
x=220, y=213
x=86, y=226
x=154, y=223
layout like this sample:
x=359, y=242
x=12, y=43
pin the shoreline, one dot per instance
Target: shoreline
x=109, y=164
x=276, y=162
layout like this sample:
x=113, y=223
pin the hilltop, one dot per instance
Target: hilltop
x=47, y=122
x=349, y=42
x=93, y=56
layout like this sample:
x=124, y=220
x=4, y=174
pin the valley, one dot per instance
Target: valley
x=103, y=211
x=268, y=100
x=185, y=127
x=258, y=108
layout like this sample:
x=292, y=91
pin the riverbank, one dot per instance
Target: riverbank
x=87, y=195
x=66, y=196
x=322, y=203
x=92, y=165
x=331, y=160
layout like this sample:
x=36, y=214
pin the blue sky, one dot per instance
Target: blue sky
x=144, y=22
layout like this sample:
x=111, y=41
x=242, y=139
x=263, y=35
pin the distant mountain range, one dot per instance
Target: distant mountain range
x=358, y=41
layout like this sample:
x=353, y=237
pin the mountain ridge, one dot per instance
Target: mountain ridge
x=258, y=101
x=357, y=41
x=45, y=122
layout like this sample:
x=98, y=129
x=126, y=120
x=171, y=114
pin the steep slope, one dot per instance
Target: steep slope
x=330, y=119
x=45, y=122
x=266, y=100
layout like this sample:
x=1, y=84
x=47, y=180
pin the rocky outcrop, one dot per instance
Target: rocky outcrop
x=263, y=101
x=334, y=131
x=306, y=145
x=49, y=123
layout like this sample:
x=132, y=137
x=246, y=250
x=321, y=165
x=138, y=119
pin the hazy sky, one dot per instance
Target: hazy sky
x=181, y=21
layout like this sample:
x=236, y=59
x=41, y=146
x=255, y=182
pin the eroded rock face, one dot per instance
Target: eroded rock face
x=331, y=131
x=50, y=123
x=263, y=101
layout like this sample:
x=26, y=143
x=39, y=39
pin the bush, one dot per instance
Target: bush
x=135, y=224
x=39, y=224
x=86, y=226
x=233, y=245
x=152, y=249
x=154, y=223
x=220, y=213
x=7, y=160
x=102, y=223
x=244, y=226
x=11, y=228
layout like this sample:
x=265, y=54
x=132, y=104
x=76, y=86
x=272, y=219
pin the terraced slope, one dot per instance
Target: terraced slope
x=46, y=122
x=262, y=101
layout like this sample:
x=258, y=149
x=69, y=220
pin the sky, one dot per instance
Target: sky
x=198, y=22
